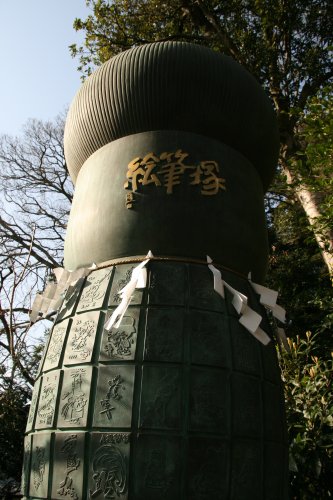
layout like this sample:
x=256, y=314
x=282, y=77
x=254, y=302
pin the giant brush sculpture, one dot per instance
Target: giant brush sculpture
x=160, y=378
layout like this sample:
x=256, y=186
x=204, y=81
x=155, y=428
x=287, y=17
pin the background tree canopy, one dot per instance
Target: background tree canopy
x=287, y=46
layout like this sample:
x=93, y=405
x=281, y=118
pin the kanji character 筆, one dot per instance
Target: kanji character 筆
x=173, y=169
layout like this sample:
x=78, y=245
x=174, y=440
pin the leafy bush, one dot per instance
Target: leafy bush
x=309, y=405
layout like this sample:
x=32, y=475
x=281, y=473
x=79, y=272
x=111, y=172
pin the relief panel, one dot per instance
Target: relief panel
x=74, y=398
x=109, y=466
x=70, y=300
x=275, y=477
x=47, y=400
x=209, y=401
x=47, y=338
x=94, y=289
x=160, y=404
x=157, y=471
x=246, y=349
x=81, y=338
x=164, y=335
x=246, y=476
x=270, y=363
x=208, y=470
x=40, y=460
x=210, y=339
x=114, y=396
x=247, y=406
x=201, y=290
x=273, y=413
x=120, y=343
x=33, y=406
x=69, y=463
x=166, y=283
x=55, y=346
x=26, y=465
x=122, y=276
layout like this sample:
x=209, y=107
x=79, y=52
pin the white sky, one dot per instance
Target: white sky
x=38, y=77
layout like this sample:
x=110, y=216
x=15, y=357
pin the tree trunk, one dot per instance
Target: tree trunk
x=310, y=202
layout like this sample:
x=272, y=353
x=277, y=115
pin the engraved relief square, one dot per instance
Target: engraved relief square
x=109, y=466
x=273, y=412
x=210, y=339
x=246, y=349
x=166, y=283
x=120, y=343
x=157, y=473
x=70, y=300
x=47, y=338
x=33, y=406
x=246, y=477
x=74, y=398
x=40, y=460
x=67, y=477
x=55, y=345
x=270, y=363
x=274, y=477
x=201, y=290
x=94, y=289
x=114, y=396
x=160, y=405
x=47, y=400
x=208, y=471
x=247, y=406
x=209, y=401
x=26, y=465
x=121, y=278
x=164, y=335
x=81, y=338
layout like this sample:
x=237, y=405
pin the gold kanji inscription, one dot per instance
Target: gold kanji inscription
x=168, y=170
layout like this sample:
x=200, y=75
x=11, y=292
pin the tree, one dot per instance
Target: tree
x=36, y=192
x=298, y=272
x=296, y=268
x=285, y=44
x=13, y=415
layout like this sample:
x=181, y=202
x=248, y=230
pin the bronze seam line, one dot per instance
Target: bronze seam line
x=129, y=260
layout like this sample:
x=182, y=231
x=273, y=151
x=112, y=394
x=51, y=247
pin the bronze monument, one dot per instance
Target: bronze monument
x=160, y=378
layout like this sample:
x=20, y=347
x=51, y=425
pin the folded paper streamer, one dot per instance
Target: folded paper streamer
x=138, y=280
x=51, y=299
x=249, y=318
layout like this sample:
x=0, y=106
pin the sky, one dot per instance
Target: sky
x=38, y=76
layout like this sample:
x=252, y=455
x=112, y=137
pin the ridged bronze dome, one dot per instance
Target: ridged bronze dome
x=173, y=86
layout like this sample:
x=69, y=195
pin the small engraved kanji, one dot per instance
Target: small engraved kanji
x=115, y=385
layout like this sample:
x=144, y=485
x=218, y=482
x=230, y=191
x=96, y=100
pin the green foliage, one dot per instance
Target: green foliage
x=13, y=416
x=314, y=162
x=118, y=25
x=284, y=43
x=296, y=266
x=309, y=404
x=297, y=270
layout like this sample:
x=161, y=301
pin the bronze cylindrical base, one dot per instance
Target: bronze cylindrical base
x=179, y=402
